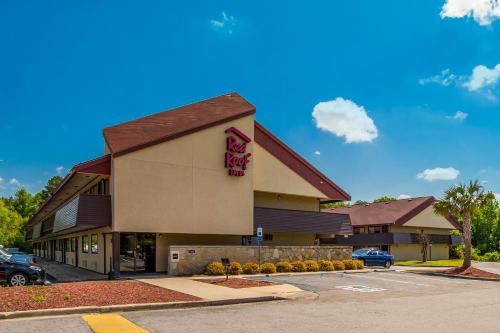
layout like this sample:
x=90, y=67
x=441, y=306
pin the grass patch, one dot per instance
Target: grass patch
x=432, y=263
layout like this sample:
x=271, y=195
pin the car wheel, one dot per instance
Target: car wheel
x=387, y=264
x=18, y=280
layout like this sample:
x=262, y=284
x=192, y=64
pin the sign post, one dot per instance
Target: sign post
x=259, y=240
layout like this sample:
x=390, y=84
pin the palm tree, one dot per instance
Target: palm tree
x=463, y=201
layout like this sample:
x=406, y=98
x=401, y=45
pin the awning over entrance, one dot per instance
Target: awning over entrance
x=297, y=221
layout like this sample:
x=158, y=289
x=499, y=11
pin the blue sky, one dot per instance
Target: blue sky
x=386, y=98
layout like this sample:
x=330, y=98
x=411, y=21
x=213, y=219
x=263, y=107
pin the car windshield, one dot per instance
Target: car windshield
x=360, y=251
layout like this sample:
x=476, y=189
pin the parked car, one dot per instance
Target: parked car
x=19, y=274
x=18, y=258
x=14, y=250
x=374, y=257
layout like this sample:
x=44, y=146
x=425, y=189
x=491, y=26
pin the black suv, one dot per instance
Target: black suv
x=19, y=274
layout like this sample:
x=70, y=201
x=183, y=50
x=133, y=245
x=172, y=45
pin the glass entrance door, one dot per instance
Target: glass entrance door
x=137, y=252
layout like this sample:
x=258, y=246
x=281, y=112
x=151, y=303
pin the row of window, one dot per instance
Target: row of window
x=101, y=188
x=376, y=229
x=93, y=244
x=89, y=243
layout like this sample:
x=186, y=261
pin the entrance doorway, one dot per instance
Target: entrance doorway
x=138, y=252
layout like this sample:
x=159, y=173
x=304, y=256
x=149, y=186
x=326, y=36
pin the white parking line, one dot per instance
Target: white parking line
x=361, y=289
x=365, y=276
x=419, y=276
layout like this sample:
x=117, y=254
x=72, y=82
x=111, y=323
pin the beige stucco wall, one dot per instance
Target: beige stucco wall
x=164, y=241
x=271, y=175
x=181, y=186
x=402, y=252
x=285, y=201
x=295, y=239
x=427, y=218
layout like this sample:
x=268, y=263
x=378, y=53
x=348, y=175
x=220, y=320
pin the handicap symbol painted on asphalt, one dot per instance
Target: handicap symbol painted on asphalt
x=361, y=289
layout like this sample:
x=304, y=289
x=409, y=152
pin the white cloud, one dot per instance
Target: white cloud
x=445, y=78
x=482, y=77
x=59, y=170
x=1, y=180
x=459, y=116
x=483, y=12
x=225, y=24
x=317, y=152
x=344, y=118
x=435, y=174
x=14, y=181
x=404, y=196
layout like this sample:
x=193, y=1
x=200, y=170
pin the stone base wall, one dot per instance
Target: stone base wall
x=192, y=259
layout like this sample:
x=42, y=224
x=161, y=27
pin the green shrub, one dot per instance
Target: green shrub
x=474, y=255
x=283, y=267
x=359, y=264
x=338, y=265
x=491, y=256
x=250, y=268
x=268, y=268
x=215, y=268
x=349, y=264
x=235, y=268
x=298, y=266
x=325, y=265
x=311, y=265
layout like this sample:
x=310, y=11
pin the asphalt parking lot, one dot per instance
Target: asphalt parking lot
x=375, y=302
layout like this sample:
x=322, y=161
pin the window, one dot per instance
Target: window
x=357, y=230
x=385, y=228
x=93, y=243
x=85, y=244
x=68, y=245
x=268, y=237
x=73, y=244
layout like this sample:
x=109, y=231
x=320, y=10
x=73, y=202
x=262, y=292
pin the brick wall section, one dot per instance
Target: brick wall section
x=193, y=259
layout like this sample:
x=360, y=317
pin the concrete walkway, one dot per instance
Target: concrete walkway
x=492, y=267
x=212, y=292
x=67, y=273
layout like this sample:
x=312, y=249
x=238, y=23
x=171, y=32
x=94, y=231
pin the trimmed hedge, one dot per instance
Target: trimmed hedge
x=311, y=265
x=325, y=266
x=359, y=264
x=215, y=268
x=349, y=264
x=283, y=267
x=298, y=266
x=235, y=268
x=268, y=268
x=250, y=268
x=338, y=265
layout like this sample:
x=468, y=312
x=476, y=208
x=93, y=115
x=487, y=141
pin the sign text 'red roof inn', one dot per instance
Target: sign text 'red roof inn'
x=236, y=157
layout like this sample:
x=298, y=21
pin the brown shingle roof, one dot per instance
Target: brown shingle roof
x=167, y=125
x=297, y=221
x=391, y=212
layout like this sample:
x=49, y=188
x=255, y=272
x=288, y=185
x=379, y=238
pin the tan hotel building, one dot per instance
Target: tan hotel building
x=202, y=174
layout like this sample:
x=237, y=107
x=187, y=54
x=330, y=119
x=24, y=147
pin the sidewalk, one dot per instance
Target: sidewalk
x=212, y=292
x=491, y=267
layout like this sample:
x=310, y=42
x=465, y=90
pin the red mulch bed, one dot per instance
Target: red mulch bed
x=88, y=293
x=236, y=283
x=471, y=271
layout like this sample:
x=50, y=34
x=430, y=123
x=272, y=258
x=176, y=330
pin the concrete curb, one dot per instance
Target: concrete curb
x=134, y=307
x=455, y=276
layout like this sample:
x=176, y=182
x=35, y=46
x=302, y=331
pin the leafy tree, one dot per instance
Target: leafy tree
x=464, y=201
x=361, y=202
x=11, y=226
x=23, y=203
x=424, y=241
x=485, y=226
x=384, y=199
x=52, y=184
x=334, y=204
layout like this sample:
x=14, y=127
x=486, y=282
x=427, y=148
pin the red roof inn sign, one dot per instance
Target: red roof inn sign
x=236, y=157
